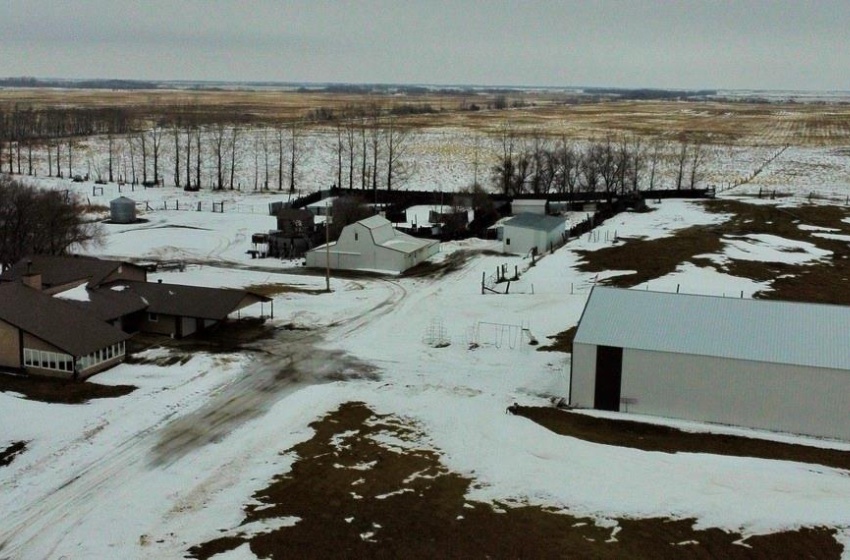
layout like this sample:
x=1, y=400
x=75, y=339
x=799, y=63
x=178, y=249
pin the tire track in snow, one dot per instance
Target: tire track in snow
x=43, y=525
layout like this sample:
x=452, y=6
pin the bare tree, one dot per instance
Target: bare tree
x=176, y=126
x=198, y=156
x=654, y=157
x=397, y=144
x=34, y=221
x=503, y=171
x=156, y=135
x=697, y=160
x=681, y=159
x=234, y=141
x=219, y=138
x=297, y=152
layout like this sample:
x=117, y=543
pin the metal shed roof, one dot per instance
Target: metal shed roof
x=536, y=221
x=803, y=334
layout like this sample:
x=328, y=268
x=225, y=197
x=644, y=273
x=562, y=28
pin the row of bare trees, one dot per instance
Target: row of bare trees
x=371, y=146
x=541, y=165
x=24, y=129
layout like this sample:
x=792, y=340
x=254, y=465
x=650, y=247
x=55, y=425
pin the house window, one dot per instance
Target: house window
x=153, y=317
x=356, y=236
x=508, y=241
x=47, y=360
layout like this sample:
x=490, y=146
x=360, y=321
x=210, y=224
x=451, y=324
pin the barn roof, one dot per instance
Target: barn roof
x=536, y=221
x=57, y=322
x=803, y=334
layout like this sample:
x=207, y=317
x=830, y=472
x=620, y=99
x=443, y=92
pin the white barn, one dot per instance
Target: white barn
x=771, y=365
x=525, y=232
x=373, y=245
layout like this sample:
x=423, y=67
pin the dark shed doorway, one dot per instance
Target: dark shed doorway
x=609, y=372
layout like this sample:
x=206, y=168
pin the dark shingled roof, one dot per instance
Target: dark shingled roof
x=60, y=270
x=109, y=304
x=187, y=301
x=55, y=321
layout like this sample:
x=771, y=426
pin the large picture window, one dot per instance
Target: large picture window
x=58, y=361
x=43, y=359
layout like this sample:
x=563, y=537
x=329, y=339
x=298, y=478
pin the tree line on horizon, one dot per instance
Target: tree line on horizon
x=370, y=145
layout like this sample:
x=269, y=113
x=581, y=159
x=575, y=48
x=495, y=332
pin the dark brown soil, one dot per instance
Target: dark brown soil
x=453, y=262
x=355, y=498
x=276, y=289
x=230, y=336
x=651, y=437
x=651, y=258
x=561, y=342
x=45, y=389
x=822, y=282
x=8, y=455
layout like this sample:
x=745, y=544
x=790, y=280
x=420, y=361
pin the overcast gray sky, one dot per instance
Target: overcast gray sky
x=735, y=44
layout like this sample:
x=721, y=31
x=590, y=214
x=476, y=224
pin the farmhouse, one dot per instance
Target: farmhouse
x=69, y=316
x=43, y=335
x=770, y=365
x=171, y=309
x=526, y=233
x=372, y=244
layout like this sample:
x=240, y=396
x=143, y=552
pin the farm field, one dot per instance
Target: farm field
x=783, y=148
x=372, y=421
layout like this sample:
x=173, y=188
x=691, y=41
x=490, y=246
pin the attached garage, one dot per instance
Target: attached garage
x=771, y=365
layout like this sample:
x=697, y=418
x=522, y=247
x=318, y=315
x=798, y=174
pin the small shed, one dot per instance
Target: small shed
x=374, y=245
x=526, y=233
x=764, y=364
x=122, y=210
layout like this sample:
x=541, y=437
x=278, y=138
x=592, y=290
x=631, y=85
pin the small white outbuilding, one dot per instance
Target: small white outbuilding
x=372, y=245
x=526, y=232
x=764, y=364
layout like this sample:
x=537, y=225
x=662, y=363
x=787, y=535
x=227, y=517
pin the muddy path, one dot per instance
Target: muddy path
x=283, y=364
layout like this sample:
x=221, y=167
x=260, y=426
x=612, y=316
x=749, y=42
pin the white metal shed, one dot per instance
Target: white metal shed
x=525, y=232
x=771, y=365
x=372, y=244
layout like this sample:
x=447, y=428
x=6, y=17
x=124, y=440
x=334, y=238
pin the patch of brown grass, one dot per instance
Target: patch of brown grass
x=827, y=281
x=271, y=290
x=45, y=389
x=561, y=342
x=229, y=336
x=651, y=258
x=356, y=498
x=820, y=282
x=651, y=437
x=543, y=113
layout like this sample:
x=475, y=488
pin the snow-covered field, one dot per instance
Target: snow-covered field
x=170, y=465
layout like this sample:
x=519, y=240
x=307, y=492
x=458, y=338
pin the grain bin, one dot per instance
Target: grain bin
x=122, y=210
